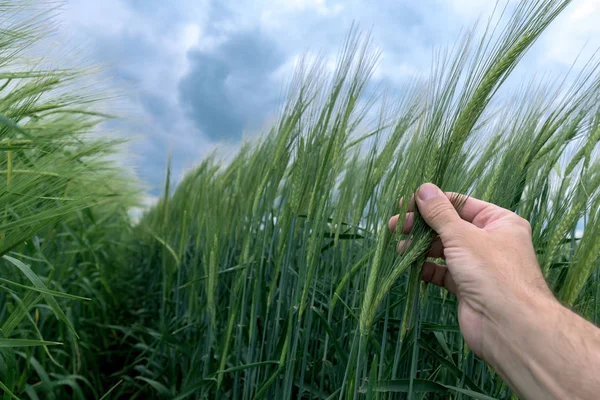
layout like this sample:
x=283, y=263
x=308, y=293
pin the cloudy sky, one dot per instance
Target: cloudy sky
x=201, y=74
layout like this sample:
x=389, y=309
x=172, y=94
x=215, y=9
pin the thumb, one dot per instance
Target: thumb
x=436, y=209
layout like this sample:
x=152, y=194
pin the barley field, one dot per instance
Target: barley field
x=274, y=275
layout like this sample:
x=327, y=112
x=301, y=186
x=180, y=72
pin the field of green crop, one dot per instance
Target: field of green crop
x=274, y=275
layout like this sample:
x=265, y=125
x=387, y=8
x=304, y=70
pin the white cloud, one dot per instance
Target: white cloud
x=281, y=14
x=471, y=9
x=109, y=16
x=584, y=10
x=160, y=45
x=575, y=33
x=176, y=64
x=397, y=71
x=320, y=6
x=307, y=60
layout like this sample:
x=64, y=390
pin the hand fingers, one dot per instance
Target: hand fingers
x=469, y=207
x=436, y=250
x=409, y=221
x=439, y=275
x=437, y=210
x=411, y=204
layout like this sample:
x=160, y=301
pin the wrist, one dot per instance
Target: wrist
x=516, y=337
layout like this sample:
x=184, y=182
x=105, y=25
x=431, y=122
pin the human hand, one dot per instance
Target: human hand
x=490, y=263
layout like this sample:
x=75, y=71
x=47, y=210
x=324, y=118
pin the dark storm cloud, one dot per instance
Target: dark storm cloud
x=228, y=85
x=231, y=88
x=126, y=54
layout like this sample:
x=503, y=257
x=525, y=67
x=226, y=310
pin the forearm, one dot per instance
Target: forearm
x=547, y=351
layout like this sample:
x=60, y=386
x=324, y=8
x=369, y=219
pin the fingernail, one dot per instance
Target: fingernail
x=428, y=191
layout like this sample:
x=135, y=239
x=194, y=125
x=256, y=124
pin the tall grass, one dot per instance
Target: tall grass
x=275, y=275
x=280, y=278
x=63, y=205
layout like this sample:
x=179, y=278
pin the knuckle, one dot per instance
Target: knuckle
x=439, y=211
x=524, y=224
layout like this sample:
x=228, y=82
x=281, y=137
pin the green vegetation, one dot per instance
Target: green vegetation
x=275, y=276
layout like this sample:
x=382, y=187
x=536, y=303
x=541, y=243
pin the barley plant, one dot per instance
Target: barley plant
x=274, y=275
x=63, y=206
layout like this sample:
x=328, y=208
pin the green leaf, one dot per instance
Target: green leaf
x=449, y=365
x=45, y=291
x=262, y=390
x=7, y=391
x=475, y=395
x=338, y=347
x=372, y=379
x=7, y=122
x=442, y=341
x=246, y=366
x=23, y=307
x=402, y=386
x=25, y=343
x=193, y=388
x=111, y=390
x=37, y=282
x=431, y=327
x=159, y=387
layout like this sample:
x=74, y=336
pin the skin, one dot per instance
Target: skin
x=507, y=314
